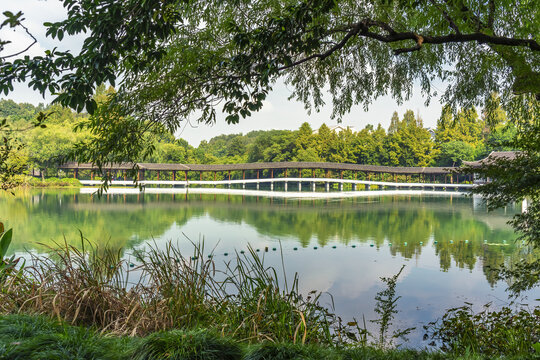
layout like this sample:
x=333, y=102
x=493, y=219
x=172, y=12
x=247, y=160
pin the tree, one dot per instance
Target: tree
x=394, y=122
x=410, y=144
x=454, y=152
x=236, y=147
x=171, y=65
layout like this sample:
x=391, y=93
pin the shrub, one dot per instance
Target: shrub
x=494, y=333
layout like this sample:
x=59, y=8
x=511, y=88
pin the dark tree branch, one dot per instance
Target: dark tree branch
x=352, y=32
x=451, y=22
x=34, y=41
x=362, y=29
x=491, y=16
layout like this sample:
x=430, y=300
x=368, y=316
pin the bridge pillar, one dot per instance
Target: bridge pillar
x=313, y=186
x=243, y=185
x=272, y=186
x=300, y=186
x=327, y=186
x=340, y=186
x=368, y=186
x=354, y=187
x=285, y=184
x=257, y=185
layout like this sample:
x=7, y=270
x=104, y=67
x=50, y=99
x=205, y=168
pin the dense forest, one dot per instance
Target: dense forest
x=460, y=135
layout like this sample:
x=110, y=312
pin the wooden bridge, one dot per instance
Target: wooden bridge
x=289, y=175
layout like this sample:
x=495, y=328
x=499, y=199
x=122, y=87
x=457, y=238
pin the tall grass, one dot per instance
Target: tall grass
x=92, y=287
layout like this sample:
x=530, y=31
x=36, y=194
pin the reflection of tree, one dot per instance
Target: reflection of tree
x=47, y=217
x=408, y=224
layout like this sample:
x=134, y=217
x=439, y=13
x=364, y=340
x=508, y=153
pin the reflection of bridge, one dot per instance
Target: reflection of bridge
x=299, y=182
x=286, y=173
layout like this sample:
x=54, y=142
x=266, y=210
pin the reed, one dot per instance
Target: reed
x=92, y=287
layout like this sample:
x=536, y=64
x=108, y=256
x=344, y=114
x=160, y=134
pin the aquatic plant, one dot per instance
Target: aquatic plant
x=386, y=308
x=173, y=297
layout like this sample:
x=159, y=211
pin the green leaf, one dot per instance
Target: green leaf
x=5, y=241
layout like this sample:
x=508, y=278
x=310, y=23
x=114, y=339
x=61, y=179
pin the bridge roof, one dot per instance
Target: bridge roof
x=264, y=166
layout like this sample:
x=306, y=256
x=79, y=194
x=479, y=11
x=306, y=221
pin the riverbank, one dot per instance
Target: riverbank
x=38, y=337
x=50, y=182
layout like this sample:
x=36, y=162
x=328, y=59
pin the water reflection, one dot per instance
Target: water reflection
x=461, y=231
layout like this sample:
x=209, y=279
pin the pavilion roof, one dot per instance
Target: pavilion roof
x=492, y=157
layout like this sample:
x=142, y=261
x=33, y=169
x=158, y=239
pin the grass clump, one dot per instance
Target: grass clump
x=285, y=351
x=38, y=338
x=191, y=345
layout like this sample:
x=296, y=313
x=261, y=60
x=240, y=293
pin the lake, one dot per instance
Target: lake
x=341, y=246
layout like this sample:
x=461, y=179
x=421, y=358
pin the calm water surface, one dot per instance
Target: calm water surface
x=447, y=243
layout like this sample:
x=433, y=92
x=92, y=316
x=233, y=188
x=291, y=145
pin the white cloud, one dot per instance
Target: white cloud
x=267, y=107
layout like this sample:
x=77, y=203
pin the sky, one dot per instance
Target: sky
x=278, y=112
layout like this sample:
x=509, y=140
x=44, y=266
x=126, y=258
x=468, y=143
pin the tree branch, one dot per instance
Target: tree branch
x=491, y=16
x=451, y=22
x=34, y=41
x=352, y=32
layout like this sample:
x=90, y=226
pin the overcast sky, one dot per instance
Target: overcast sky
x=278, y=112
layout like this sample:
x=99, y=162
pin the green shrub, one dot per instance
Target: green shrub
x=506, y=332
x=192, y=345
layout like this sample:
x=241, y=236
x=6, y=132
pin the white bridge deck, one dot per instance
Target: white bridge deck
x=300, y=182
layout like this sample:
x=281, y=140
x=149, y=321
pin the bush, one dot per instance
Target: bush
x=508, y=332
x=192, y=345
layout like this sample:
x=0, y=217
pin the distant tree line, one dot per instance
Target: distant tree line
x=458, y=136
